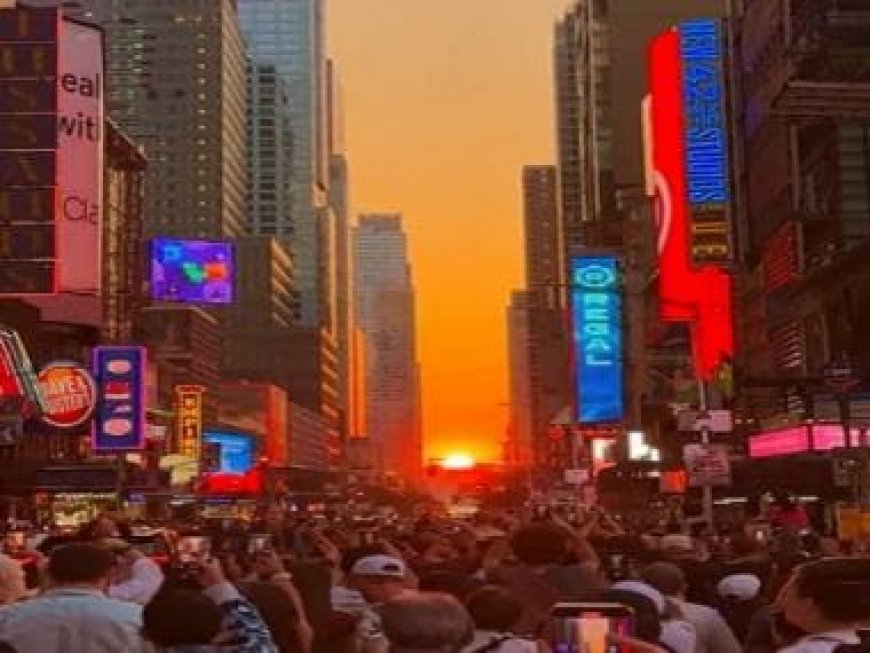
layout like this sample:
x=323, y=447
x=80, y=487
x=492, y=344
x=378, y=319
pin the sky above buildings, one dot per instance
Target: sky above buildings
x=445, y=101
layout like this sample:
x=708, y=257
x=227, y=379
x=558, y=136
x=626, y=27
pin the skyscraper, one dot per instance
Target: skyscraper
x=176, y=84
x=541, y=306
x=520, y=428
x=270, y=143
x=289, y=35
x=385, y=312
x=340, y=258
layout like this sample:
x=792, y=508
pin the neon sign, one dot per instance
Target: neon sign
x=597, y=311
x=693, y=242
x=706, y=147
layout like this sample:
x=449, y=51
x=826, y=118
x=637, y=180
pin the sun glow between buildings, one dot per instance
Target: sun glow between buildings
x=458, y=461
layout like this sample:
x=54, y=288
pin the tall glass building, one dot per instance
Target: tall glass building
x=289, y=35
x=175, y=74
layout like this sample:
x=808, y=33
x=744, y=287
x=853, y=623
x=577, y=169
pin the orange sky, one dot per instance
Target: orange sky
x=445, y=100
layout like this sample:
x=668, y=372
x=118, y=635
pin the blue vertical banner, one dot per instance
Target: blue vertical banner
x=596, y=297
x=119, y=417
x=702, y=53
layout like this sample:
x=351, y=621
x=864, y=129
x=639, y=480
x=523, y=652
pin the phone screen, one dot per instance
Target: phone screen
x=194, y=548
x=585, y=628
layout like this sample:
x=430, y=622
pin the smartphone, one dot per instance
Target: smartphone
x=193, y=548
x=586, y=627
x=15, y=542
x=259, y=542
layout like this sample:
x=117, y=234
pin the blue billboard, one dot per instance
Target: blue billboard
x=236, y=450
x=596, y=298
x=119, y=415
x=702, y=55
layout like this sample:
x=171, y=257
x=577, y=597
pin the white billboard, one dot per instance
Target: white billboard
x=80, y=159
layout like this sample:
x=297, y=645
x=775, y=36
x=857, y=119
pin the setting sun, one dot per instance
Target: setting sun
x=458, y=461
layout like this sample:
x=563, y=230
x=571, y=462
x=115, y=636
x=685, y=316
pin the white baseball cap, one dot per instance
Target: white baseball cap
x=379, y=565
x=742, y=587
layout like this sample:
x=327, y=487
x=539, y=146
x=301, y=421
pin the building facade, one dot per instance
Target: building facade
x=289, y=35
x=123, y=242
x=520, y=430
x=599, y=50
x=270, y=143
x=802, y=101
x=385, y=313
x=546, y=321
x=176, y=84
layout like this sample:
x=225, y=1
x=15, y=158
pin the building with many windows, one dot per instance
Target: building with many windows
x=176, y=83
x=270, y=143
x=540, y=309
x=385, y=313
x=289, y=35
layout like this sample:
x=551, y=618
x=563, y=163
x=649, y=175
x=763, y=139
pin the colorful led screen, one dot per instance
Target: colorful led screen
x=236, y=450
x=192, y=271
x=597, y=318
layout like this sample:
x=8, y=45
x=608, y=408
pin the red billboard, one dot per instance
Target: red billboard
x=691, y=290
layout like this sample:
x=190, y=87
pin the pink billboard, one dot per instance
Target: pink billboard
x=80, y=158
x=800, y=439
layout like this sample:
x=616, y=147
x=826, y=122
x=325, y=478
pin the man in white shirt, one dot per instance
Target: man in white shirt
x=75, y=614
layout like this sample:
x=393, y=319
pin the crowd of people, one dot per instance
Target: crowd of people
x=427, y=584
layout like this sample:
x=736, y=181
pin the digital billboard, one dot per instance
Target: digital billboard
x=119, y=416
x=688, y=180
x=706, y=141
x=596, y=297
x=192, y=271
x=236, y=450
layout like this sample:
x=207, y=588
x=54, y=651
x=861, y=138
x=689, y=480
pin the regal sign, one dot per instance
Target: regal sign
x=598, y=344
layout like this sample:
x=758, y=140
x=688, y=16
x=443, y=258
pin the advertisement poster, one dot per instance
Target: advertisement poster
x=597, y=311
x=80, y=158
x=192, y=271
x=69, y=393
x=119, y=417
x=189, y=420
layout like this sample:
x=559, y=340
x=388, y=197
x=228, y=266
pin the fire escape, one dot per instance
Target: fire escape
x=827, y=53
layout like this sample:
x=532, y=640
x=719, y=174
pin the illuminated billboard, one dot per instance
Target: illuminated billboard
x=80, y=158
x=192, y=271
x=119, y=416
x=596, y=298
x=236, y=450
x=188, y=409
x=706, y=141
x=687, y=172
